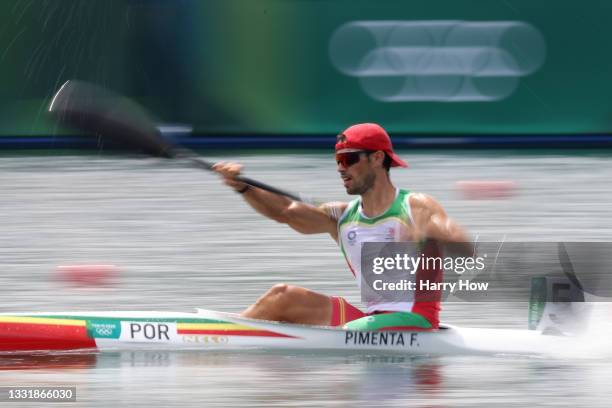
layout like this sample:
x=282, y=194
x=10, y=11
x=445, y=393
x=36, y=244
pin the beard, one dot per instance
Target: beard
x=362, y=186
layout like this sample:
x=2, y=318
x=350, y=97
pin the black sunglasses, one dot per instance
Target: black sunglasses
x=349, y=158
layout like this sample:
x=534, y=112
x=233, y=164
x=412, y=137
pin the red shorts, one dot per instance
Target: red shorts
x=343, y=312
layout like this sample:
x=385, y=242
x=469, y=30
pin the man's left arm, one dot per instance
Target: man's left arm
x=432, y=222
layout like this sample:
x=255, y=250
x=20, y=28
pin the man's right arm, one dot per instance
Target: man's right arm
x=302, y=217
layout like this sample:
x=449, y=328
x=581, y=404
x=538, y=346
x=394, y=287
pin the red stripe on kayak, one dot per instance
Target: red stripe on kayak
x=260, y=333
x=29, y=336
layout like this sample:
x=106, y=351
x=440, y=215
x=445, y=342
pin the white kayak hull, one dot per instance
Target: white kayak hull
x=209, y=330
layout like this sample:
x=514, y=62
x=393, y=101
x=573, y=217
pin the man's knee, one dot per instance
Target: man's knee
x=278, y=289
x=292, y=304
x=281, y=292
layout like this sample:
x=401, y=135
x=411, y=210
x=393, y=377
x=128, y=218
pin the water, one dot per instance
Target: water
x=182, y=240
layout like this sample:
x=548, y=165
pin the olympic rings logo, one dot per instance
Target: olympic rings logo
x=104, y=331
x=442, y=61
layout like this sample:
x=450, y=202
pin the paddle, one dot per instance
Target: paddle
x=567, y=267
x=98, y=111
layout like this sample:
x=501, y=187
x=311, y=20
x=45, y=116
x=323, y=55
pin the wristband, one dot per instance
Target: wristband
x=244, y=189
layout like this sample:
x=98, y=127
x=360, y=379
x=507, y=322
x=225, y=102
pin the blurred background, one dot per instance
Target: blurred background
x=429, y=70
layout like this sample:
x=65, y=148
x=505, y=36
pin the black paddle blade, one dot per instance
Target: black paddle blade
x=93, y=109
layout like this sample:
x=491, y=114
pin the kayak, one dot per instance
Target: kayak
x=210, y=330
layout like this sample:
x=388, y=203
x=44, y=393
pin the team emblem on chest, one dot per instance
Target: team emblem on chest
x=352, y=237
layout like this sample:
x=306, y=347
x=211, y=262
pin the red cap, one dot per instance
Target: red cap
x=368, y=136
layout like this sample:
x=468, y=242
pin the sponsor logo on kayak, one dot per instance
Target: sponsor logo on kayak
x=373, y=338
x=104, y=329
x=158, y=332
x=204, y=339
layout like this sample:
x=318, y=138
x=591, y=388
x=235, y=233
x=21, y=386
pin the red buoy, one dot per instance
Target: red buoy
x=88, y=274
x=486, y=189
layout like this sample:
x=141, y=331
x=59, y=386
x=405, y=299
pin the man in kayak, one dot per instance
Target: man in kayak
x=382, y=213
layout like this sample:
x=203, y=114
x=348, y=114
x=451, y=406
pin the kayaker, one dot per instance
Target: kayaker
x=382, y=212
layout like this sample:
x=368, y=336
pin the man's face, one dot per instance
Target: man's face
x=356, y=170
